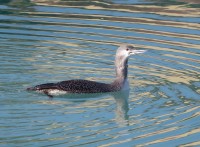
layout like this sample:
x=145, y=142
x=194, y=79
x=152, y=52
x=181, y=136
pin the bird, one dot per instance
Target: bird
x=78, y=86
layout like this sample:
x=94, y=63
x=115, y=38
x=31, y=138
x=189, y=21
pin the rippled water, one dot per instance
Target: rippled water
x=45, y=41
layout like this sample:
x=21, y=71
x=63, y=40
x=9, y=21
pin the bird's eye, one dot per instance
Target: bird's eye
x=127, y=49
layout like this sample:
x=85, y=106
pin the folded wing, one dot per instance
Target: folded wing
x=83, y=86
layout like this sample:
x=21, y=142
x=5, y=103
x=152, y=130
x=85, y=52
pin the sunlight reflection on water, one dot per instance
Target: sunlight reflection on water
x=49, y=42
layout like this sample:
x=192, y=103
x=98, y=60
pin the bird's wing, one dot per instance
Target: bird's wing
x=83, y=86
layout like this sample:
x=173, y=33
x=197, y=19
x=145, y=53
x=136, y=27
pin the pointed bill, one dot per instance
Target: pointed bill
x=138, y=51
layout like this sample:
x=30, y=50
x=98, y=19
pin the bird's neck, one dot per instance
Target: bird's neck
x=121, y=69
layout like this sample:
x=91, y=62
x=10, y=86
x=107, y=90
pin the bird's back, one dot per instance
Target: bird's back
x=83, y=86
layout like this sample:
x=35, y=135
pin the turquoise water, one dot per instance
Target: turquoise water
x=53, y=41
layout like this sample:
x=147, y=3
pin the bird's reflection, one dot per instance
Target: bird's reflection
x=122, y=108
x=120, y=97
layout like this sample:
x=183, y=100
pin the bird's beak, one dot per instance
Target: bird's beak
x=137, y=52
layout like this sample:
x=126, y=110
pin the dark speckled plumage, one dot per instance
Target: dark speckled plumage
x=86, y=86
x=83, y=86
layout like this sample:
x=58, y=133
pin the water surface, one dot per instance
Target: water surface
x=49, y=42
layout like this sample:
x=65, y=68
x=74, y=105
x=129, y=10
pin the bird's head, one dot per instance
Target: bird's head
x=127, y=50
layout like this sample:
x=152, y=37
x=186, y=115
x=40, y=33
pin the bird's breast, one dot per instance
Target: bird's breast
x=126, y=85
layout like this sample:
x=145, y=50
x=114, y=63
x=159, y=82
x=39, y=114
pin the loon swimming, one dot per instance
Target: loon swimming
x=86, y=86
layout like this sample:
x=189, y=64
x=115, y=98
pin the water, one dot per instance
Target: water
x=54, y=41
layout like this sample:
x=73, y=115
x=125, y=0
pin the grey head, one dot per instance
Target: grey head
x=121, y=61
x=125, y=50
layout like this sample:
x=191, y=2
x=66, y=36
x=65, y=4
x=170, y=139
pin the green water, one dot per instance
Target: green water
x=45, y=41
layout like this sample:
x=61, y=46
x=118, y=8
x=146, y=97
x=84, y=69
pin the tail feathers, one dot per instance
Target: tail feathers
x=43, y=87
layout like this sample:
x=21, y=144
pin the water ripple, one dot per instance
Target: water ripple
x=46, y=41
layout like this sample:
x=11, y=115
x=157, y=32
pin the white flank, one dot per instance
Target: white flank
x=126, y=85
x=57, y=92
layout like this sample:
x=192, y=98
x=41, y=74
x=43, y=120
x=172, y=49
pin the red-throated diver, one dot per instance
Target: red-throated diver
x=85, y=86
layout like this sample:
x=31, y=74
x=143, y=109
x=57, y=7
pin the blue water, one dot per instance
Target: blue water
x=49, y=42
